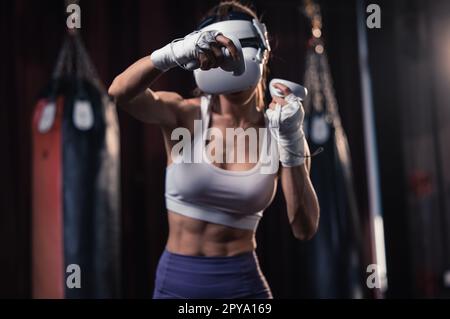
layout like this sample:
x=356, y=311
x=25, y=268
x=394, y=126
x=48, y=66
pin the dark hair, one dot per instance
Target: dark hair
x=225, y=7
x=222, y=11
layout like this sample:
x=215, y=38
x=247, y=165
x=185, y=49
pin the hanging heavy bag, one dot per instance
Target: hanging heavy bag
x=76, y=190
x=335, y=254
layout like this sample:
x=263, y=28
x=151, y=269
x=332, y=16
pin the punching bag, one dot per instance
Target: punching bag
x=334, y=256
x=76, y=186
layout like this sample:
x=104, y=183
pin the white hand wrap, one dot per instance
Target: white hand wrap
x=183, y=51
x=286, y=125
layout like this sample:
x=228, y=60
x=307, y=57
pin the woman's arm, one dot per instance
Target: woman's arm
x=131, y=91
x=301, y=200
x=131, y=88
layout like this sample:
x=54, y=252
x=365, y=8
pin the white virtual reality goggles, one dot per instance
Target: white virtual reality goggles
x=250, y=38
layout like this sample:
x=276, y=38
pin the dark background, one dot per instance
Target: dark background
x=410, y=64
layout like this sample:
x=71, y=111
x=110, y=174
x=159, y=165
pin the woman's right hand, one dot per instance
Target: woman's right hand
x=213, y=57
x=200, y=49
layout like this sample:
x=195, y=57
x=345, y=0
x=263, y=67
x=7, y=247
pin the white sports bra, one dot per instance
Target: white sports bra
x=206, y=192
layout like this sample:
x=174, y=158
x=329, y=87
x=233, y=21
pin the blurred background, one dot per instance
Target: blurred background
x=393, y=105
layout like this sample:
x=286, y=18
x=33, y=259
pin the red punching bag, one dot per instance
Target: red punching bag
x=76, y=192
x=47, y=200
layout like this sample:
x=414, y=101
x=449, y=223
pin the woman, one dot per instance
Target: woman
x=214, y=207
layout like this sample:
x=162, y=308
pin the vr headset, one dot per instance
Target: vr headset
x=253, y=41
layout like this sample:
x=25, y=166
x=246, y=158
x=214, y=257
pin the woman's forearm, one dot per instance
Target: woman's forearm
x=301, y=201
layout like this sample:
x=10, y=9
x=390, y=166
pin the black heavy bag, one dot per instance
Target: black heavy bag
x=334, y=256
x=90, y=184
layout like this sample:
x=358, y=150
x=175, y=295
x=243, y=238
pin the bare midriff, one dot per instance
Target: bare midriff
x=188, y=236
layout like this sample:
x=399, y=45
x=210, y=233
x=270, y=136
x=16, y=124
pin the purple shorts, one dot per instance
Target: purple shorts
x=198, y=277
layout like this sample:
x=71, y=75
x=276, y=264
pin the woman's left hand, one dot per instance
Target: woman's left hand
x=286, y=117
x=280, y=100
x=286, y=113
